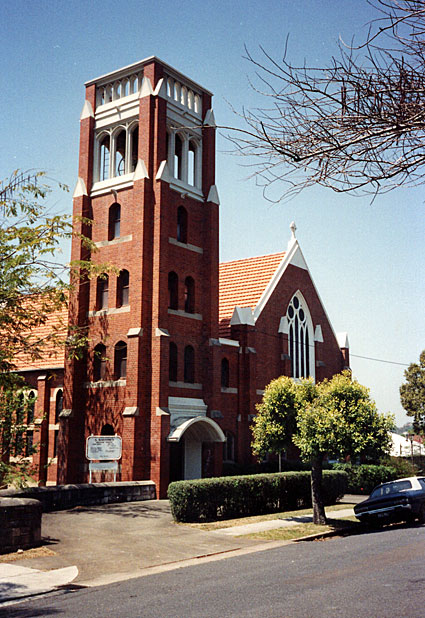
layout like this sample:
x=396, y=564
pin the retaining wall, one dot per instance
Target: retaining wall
x=20, y=524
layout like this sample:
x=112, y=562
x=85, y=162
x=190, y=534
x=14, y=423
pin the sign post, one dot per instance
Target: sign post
x=106, y=450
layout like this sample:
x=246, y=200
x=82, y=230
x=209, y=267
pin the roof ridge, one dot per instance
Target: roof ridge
x=254, y=257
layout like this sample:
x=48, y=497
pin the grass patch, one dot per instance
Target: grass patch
x=35, y=552
x=299, y=531
x=241, y=521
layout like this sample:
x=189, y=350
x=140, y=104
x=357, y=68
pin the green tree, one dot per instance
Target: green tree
x=341, y=422
x=412, y=393
x=276, y=420
x=33, y=286
x=335, y=418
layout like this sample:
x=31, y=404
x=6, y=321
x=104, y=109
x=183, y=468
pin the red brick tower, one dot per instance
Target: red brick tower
x=151, y=371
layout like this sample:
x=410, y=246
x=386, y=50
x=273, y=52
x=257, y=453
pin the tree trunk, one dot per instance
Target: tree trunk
x=319, y=516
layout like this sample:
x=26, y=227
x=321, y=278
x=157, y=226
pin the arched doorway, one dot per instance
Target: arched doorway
x=192, y=446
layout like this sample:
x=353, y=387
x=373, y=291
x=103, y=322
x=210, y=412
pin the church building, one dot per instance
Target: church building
x=180, y=347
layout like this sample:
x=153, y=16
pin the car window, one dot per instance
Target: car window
x=391, y=488
x=422, y=483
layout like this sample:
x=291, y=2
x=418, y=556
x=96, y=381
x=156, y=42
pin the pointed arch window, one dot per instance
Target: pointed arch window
x=172, y=362
x=178, y=157
x=105, y=148
x=182, y=224
x=32, y=396
x=120, y=141
x=229, y=447
x=58, y=404
x=114, y=227
x=173, y=290
x=102, y=292
x=99, y=363
x=225, y=373
x=189, y=295
x=134, y=149
x=189, y=364
x=300, y=338
x=120, y=360
x=123, y=288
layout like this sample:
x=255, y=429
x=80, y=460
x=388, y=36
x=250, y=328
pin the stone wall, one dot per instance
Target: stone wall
x=20, y=524
x=60, y=497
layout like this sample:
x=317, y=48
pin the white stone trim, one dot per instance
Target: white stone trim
x=209, y=120
x=184, y=245
x=104, y=384
x=80, y=188
x=116, y=182
x=111, y=311
x=114, y=241
x=242, y=315
x=260, y=391
x=213, y=195
x=161, y=332
x=229, y=389
x=87, y=111
x=163, y=173
x=140, y=172
x=318, y=335
x=146, y=90
x=131, y=411
x=184, y=314
x=135, y=332
x=342, y=339
x=231, y=342
x=191, y=385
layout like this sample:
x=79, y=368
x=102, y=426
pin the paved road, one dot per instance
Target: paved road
x=379, y=574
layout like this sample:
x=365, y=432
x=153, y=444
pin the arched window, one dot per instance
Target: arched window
x=182, y=224
x=105, y=147
x=120, y=360
x=300, y=338
x=173, y=290
x=189, y=364
x=172, y=362
x=189, y=295
x=193, y=176
x=120, y=140
x=123, y=288
x=134, y=140
x=99, y=363
x=107, y=430
x=178, y=157
x=102, y=292
x=58, y=405
x=114, y=226
x=225, y=373
x=32, y=396
x=229, y=447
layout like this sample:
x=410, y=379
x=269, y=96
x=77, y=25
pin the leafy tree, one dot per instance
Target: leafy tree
x=341, y=422
x=33, y=286
x=355, y=125
x=335, y=418
x=412, y=393
x=276, y=420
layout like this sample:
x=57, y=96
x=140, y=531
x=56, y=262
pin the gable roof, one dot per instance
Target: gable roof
x=242, y=283
x=53, y=353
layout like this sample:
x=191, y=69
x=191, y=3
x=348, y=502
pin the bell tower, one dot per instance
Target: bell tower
x=150, y=371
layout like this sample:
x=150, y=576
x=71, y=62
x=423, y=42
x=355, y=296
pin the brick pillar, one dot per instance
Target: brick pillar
x=41, y=433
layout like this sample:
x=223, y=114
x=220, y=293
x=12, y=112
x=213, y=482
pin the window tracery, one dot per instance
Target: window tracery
x=300, y=338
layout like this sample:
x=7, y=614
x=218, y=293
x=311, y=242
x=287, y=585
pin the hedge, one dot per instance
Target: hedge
x=242, y=496
x=364, y=477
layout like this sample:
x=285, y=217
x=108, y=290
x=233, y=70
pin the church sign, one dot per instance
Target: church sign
x=103, y=448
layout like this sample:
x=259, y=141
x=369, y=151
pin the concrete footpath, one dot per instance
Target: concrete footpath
x=89, y=546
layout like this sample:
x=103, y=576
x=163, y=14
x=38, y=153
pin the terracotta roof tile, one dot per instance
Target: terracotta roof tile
x=241, y=284
x=53, y=355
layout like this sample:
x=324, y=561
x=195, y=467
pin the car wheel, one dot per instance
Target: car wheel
x=421, y=516
x=375, y=523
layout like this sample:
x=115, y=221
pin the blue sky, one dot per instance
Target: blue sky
x=367, y=260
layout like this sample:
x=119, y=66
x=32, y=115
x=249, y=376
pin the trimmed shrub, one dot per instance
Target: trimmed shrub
x=242, y=496
x=364, y=477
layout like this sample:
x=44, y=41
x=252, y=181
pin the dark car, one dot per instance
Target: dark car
x=401, y=500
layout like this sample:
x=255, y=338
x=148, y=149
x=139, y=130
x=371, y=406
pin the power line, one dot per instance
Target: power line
x=376, y=360
x=379, y=360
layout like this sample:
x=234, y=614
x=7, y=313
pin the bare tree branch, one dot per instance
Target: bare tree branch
x=356, y=126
